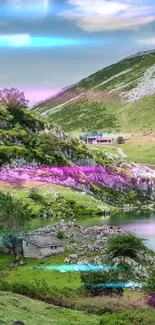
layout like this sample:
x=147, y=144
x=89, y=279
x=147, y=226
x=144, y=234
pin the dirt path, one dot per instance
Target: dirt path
x=120, y=151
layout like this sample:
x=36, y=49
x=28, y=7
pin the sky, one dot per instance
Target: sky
x=46, y=45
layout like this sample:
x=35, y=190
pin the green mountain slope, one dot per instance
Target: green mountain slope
x=120, y=97
x=27, y=140
x=25, y=137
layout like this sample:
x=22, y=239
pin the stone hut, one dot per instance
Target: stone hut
x=41, y=246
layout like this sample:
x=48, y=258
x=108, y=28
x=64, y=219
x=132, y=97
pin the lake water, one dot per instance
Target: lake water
x=140, y=222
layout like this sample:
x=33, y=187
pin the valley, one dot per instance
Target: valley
x=54, y=184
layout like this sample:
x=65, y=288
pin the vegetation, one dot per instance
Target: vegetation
x=14, y=218
x=125, y=244
x=105, y=282
x=23, y=134
x=110, y=112
x=14, y=215
x=16, y=307
x=12, y=97
x=64, y=289
x=129, y=318
x=120, y=140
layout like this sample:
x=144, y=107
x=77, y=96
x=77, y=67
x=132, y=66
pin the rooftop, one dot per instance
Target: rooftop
x=42, y=240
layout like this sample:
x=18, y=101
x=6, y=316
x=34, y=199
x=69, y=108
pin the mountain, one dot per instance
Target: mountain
x=120, y=97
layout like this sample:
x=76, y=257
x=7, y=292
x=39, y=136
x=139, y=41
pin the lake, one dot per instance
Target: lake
x=140, y=222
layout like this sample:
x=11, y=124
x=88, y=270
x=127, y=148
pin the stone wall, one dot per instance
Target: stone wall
x=33, y=251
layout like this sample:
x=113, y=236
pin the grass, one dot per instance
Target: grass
x=139, y=149
x=14, y=307
x=106, y=110
x=28, y=274
x=62, y=289
x=105, y=148
x=109, y=116
x=49, y=191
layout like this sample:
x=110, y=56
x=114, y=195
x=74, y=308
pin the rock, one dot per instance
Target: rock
x=83, y=262
x=18, y=323
x=73, y=256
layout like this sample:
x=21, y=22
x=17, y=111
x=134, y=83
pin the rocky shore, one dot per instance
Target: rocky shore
x=88, y=246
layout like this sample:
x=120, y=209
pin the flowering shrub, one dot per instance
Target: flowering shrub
x=151, y=300
x=78, y=177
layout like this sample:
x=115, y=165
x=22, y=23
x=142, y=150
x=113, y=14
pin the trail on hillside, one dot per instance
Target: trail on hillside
x=60, y=106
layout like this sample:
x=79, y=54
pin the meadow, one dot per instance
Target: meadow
x=138, y=149
x=63, y=289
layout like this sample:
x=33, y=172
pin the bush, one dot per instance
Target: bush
x=35, y=196
x=151, y=300
x=129, y=318
x=125, y=244
x=61, y=235
x=120, y=140
x=105, y=282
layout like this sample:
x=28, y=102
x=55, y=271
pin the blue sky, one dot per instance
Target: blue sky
x=46, y=45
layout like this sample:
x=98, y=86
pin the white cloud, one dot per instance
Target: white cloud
x=15, y=39
x=101, y=15
x=148, y=41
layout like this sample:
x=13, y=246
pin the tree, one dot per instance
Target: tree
x=120, y=140
x=14, y=244
x=125, y=244
x=12, y=97
x=14, y=219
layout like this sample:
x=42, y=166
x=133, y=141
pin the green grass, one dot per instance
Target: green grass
x=62, y=289
x=105, y=148
x=107, y=113
x=137, y=149
x=109, y=116
x=48, y=193
x=28, y=274
x=14, y=307
x=79, y=115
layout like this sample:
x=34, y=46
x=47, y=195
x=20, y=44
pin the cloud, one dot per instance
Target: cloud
x=15, y=39
x=149, y=41
x=101, y=15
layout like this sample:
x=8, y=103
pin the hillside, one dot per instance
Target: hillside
x=26, y=138
x=28, y=141
x=35, y=148
x=120, y=97
x=15, y=307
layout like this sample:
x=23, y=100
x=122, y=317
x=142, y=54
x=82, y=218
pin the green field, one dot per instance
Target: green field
x=61, y=289
x=137, y=149
x=52, y=278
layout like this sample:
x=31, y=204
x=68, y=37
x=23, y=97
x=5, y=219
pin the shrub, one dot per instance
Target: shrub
x=125, y=244
x=105, y=282
x=35, y=196
x=120, y=140
x=129, y=318
x=61, y=235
